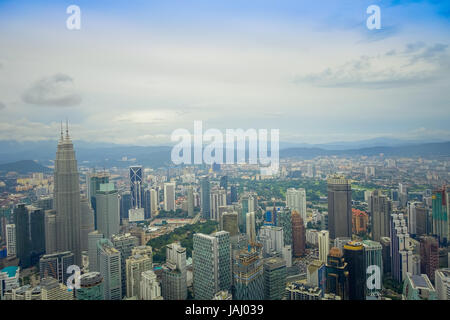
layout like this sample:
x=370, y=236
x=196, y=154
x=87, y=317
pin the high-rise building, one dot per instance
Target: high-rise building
x=218, y=200
x=11, y=240
x=136, y=187
x=94, y=180
x=190, y=201
x=224, y=183
x=418, y=287
x=233, y=194
x=109, y=261
x=360, y=221
x=174, y=285
x=440, y=215
x=51, y=289
x=37, y=233
x=274, y=278
x=154, y=200
x=298, y=235
x=339, y=207
x=230, y=223
x=323, y=239
x=55, y=265
x=211, y=260
x=205, y=193
x=150, y=288
x=442, y=283
x=380, y=211
x=296, y=200
x=248, y=275
x=316, y=275
x=401, y=253
x=91, y=287
x=135, y=265
x=285, y=221
x=272, y=240
x=337, y=274
x=125, y=204
x=87, y=222
x=373, y=256
x=93, y=238
x=108, y=219
x=50, y=231
x=252, y=202
x=169, y=196
x=124, y=243
x=386, y=253
x=23, y=241
x=429, y=256
x=67, y=198
x=250, y=226
x=354, y=257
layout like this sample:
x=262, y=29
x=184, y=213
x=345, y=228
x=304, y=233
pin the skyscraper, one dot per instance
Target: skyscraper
x=401, y=253
x=354, y=257
x=373, y=253
x=323, y=238
x=93, y=238
x=442, y=283
x=429, y=256
x=298, y=235
x=67, y=198
x=21, y=221
x=110, y=269
x=274, y=278
x=124, y=243
x=136, y=187
x=11, y=240
x=248, y=275
x=296, y=200
x=190, y=201
x=204, y=189
x=339, y=207
x=230, y=223
x=250, y=226
x=108, y=220
x=174, y=285
x=135, y=265
x=154, y=200
x=50, y=231
x=169, y=196
x=55, y=265
x=284, y=221
x=337, y=274
x=150, y=288
x=211, y=260
x=87, y=222
x=440, y=215
x=380, y=210
x=94, y=180
x=272, y=240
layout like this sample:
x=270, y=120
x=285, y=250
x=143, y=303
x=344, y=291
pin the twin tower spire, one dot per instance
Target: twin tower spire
x=67, y=131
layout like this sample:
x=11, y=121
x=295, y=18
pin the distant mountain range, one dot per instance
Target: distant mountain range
x=110, y=155
x=24, y=167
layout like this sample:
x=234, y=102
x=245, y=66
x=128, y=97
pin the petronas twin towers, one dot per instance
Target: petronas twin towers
x=67, y=198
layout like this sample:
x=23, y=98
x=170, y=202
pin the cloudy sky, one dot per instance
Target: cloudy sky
x=137, y=70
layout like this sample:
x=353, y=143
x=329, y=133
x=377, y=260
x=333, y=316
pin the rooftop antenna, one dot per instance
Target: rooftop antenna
x=62, y=136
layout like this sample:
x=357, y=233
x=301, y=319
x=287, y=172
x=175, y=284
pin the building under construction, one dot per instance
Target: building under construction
x=248, y=274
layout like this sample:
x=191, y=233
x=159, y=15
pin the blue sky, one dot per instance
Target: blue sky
x=137, y=70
